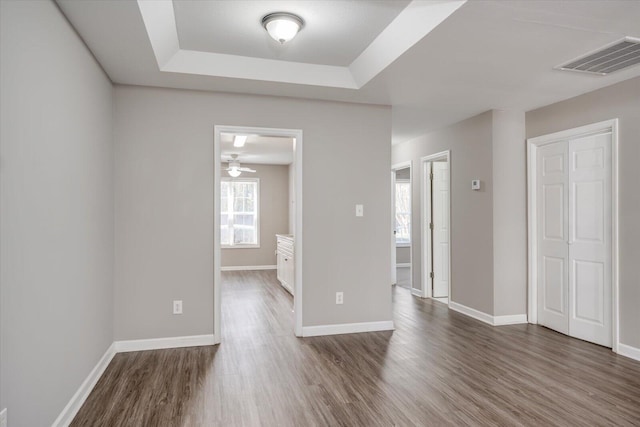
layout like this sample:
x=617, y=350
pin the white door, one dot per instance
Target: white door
x=440, y=195
x=574, y=237
x=394, y=274
x=553, y=235
x=590, y=238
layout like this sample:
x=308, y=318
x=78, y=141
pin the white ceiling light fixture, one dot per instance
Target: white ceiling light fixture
x=282, y=26
x=239, y=140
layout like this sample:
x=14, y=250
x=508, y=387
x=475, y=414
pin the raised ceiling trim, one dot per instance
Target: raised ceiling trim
x=411, y=25
x=246, y=67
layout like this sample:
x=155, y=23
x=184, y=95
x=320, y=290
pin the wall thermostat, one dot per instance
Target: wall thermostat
x=475, y=184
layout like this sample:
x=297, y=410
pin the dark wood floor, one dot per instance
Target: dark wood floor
x=437, y=368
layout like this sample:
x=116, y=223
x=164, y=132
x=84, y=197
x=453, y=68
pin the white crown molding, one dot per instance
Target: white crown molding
x=411, y=25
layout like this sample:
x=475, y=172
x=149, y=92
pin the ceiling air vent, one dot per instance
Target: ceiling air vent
x=614, y=57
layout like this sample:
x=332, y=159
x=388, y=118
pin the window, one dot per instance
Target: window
x=403, y=213
x=239, y=204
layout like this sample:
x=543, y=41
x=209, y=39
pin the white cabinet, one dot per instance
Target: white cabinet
x=285, y=261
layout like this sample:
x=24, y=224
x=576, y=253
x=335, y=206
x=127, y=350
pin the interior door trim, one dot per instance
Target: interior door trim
x=426, y=217
x=532, y=146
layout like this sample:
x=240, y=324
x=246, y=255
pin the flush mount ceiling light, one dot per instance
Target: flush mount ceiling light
x=282, y=26
x=239, y=140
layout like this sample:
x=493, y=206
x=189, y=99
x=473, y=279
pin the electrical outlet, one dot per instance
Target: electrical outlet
x=359, y=210
x=3, y=418
x=339, y=297
x=177, y=307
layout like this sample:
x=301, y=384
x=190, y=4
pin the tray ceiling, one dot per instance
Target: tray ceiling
x=435, y=63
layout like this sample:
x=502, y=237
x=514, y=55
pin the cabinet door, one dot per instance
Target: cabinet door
x=280, y=266
x=289, y=273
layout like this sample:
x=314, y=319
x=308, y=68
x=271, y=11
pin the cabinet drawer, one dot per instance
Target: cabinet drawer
x=285, y=245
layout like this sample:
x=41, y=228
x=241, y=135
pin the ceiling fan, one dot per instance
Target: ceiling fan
x=234, y=170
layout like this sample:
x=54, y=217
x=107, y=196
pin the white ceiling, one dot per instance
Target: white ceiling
x=334, y=35
x=266, y=150
x=437, y=62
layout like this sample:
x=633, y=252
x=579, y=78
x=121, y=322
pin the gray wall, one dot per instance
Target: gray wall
x=403, y=254
x=164, y=206
x=56, y=212
x=470, y=142
x=274, y=216
x=618, y=101
x=509, y=213
x=292, y=199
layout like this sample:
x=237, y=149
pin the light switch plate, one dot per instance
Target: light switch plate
x=475, y=184
x=359, y=210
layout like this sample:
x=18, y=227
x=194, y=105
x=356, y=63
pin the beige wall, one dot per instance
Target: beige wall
x=470, y=142
x=274, y=216
x=164, y=206
x=620, y=101
x=56, y=220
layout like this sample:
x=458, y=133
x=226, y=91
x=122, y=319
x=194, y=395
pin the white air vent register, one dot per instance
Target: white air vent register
x=614, y=57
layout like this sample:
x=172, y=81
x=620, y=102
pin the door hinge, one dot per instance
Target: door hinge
x=431, y=275
x=431, y=225
x=431, y=176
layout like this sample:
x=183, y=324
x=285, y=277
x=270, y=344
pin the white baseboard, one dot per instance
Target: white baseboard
x=160, y=343
x=487, y=318
x=247, y=267
x=347, y=328
x=74, y=405
x=471, y=312
x=418, y=293
x=403, y=265
x=629, y=351
x=511, y=319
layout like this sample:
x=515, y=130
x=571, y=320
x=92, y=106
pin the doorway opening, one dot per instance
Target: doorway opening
x=401, y=222
x=257, y=210
x=573, y=232
x=436, y=229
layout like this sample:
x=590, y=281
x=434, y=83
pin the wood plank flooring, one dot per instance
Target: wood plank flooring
x=437, y=368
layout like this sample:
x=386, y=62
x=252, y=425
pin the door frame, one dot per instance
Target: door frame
x=426, y=217
x=297, y=156
x=394, y=168
x=532, y=283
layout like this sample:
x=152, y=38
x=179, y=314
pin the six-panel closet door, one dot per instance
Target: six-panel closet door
x=574, y=237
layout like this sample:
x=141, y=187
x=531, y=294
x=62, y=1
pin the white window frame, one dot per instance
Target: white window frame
x=395, y=192
x=245, y=246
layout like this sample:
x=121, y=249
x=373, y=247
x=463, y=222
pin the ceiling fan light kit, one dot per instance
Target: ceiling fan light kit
x=234, y=170
x=282, y=26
